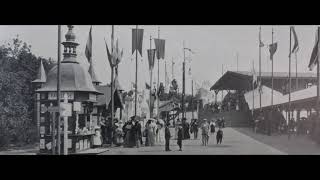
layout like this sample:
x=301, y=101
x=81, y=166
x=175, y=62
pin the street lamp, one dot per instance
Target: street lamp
x=183, y=78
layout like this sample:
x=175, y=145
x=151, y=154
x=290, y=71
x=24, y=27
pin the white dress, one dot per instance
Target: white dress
x=161, y=136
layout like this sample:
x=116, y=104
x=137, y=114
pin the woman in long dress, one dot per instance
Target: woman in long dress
x=152, y=133
x=161, y=134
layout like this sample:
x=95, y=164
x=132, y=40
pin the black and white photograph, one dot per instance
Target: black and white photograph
x=159, y=90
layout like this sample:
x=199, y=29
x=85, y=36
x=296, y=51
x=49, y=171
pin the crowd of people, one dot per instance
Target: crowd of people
x=279, y=125
x=155, y=132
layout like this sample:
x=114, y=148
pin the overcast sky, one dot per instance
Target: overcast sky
x=213, y=46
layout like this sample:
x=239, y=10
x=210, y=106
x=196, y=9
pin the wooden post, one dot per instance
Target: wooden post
x=52, y=115
x=58, y=89
x=65, y=129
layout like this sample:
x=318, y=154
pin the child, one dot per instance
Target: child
x=219, y=136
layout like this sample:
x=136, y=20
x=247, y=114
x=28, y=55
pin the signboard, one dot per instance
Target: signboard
x=81, y=144
x=53, y=109
x=69, y=143
x=92, y=97
x=66, y=109
x=77, y=106
x=48, y=146
x=43, y=108
x=42, y=144
x=42, y=130
x=43, y=96
x=53, y=95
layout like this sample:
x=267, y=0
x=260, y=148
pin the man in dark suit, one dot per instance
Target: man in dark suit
x=167, y=136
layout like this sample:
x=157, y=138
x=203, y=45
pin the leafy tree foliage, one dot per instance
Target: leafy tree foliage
x=18, y=68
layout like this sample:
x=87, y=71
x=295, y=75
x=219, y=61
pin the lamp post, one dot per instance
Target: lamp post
x=183, y=78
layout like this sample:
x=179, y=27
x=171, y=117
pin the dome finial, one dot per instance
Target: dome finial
x=70, y=36
x=70, y=46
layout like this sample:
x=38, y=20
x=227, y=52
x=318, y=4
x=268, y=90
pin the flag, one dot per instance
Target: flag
x=117, y=54
x=260, y=42
x=137, y=38
x=133, y=85
x=295, y=37
x=254, y=77
x=272, y=49
x=147, y=86
x=260, y=87
x=314, y=54
x=160, y=48
x=110, y=56
x=88, y=50
x=151, y=54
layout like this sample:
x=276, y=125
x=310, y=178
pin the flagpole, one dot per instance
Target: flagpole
x=150, y=82
x=297, y=85
x=253, y=88
x=222, y=89
x=260, y=67
x=183, y=80
x=172, y=69
x=165, y=75
x=136, y=88
x=269, y=126
x=58, y=90
x=158, y=113
x=237, y=61
x=289, y=108
x=192, y=98
x=318, y=80
x=112, y=94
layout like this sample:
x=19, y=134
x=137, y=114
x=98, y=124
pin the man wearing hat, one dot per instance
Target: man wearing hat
x=167, y=136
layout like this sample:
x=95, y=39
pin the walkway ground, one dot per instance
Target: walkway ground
x=297, y=145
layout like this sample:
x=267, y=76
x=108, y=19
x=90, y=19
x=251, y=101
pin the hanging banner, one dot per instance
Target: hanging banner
x=160, y=48
x=151, y=55
x=137, y=38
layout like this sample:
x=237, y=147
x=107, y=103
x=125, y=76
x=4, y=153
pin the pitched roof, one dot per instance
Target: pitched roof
x=242, y=80
x=106, y=97
x=41, y=76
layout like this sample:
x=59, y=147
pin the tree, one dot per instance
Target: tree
x=18, y=68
